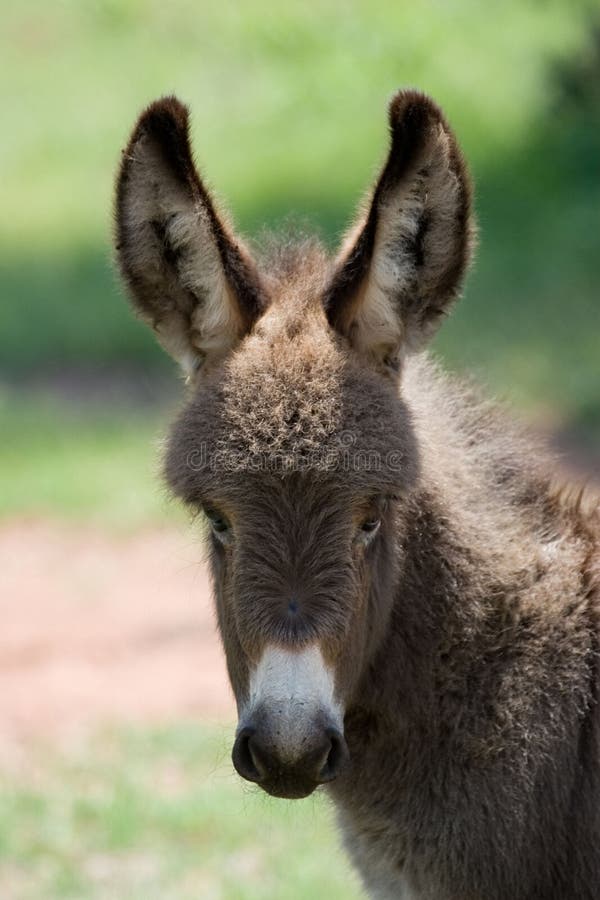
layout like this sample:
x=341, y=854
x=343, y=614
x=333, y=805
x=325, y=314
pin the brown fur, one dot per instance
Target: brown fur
x=464, y=635
x=175, y=252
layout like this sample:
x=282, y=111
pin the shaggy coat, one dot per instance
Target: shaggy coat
x=408, y=604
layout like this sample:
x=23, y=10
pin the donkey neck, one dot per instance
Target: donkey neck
x=470, y=545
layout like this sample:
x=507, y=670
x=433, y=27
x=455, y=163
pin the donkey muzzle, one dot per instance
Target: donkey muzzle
x=290, y=738
x=261, y=755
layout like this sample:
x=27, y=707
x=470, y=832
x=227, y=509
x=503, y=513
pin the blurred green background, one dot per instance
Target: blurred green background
x=288, y=104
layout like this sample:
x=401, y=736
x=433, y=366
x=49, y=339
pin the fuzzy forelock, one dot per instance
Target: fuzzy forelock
x=291, y=391
x=292, y=396
x=292, y=256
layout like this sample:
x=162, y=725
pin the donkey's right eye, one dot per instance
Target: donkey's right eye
x=218, y=522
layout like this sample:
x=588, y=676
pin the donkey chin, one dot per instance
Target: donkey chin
x=290, y=735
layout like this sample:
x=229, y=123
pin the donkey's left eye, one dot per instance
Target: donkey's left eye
x=367, y=530
x=370, y=526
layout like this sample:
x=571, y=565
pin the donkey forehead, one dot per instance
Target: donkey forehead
x=294, y=381
x=285, y=389
x=283, y=410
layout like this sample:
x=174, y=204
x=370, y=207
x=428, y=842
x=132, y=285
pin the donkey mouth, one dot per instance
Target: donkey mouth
x=286, y=788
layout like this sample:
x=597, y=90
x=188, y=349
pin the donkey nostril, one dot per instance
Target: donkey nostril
x=337, y=756
x=245, y=761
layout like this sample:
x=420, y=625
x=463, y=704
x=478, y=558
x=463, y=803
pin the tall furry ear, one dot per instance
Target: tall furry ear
x=188, y=277
x=403, y=264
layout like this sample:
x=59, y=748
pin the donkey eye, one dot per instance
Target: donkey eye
x=370, y=526
x=367, y=530
x=218, y=523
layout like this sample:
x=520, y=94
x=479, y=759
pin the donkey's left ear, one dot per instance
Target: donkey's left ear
x=188, y=276
x=403, y=265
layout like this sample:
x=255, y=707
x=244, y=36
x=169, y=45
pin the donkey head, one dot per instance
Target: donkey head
x=294, y=440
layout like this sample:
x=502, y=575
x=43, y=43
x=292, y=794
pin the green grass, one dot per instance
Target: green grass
x=159, y=815
x=278, y=100
x=529, y=324
x=94, y=462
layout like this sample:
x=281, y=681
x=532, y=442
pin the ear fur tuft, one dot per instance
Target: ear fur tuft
x=188, y=276
x=403, y=265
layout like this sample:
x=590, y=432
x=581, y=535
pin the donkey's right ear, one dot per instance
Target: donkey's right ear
x=188, y=277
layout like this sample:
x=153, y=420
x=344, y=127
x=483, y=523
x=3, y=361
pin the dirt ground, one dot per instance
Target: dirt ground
x=103, y=628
